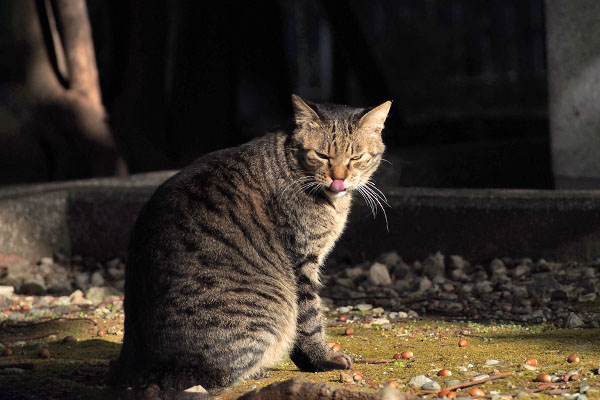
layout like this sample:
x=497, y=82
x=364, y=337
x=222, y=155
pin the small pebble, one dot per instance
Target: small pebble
x=197, y=389
x=407, y=354
x=418, y=381
x=531, y=361
x=349, y=331
x=462, y=343
x=337, y=347
x=44, y=353
x=343, y=318
x=432, y=385
x=346, y=378
x=573, y=358
x=544, y=378
x=364, y=307
x=357, y=377
x=491, y=362
x=69, y=339
x=101, y=332
x=397, y=356
x=393, y=384
x=476, y=392
x=445, y=372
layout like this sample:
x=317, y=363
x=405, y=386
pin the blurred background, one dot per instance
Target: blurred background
x=158, y=83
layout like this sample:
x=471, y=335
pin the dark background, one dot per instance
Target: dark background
x=182, y=78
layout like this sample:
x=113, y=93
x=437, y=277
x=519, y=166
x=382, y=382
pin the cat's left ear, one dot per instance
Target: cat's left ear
x=303, y=113
x=374, y=119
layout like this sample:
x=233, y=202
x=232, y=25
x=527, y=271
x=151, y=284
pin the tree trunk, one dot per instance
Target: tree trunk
x=65, y=113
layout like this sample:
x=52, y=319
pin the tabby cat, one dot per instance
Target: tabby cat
x=222, y=274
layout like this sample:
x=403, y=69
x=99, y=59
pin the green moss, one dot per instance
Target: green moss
x=77, y=370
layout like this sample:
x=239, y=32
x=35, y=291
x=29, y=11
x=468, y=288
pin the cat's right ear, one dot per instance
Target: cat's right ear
x=303, y=113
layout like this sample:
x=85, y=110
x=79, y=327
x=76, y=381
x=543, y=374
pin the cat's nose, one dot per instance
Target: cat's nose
x=337, y=185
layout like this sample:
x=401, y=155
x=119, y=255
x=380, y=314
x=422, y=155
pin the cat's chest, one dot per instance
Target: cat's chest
x=322, y=228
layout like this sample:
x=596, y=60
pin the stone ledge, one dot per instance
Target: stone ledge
x=95, y=217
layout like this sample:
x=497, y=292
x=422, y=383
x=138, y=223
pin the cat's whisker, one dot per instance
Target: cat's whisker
x=368, y=201
x=377, y=195
x=318, y=187
x=372, y=185
x=383, y=159
x=306, y=186
x=379, y=199
x=382, y=209
x=298, y=180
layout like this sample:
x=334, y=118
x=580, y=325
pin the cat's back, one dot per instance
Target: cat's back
x=212, y=188
x=205, y=274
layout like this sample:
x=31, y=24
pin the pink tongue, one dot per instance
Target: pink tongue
x=337, y=185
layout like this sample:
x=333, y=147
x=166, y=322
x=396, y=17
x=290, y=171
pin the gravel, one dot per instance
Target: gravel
x=30, y=291
x=512, y=291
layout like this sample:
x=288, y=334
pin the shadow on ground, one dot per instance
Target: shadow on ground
x=76, y=370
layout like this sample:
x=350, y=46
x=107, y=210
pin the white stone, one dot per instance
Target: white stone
x=574, y=321
x=97, y=279
x=364, y=307
x=424, y=284
x=47, y=261
x=457, y=262
x=380, y=321
x=434, y=265
x=7, y=291
x=379, y=275
x=196, y=389
x=418, y=381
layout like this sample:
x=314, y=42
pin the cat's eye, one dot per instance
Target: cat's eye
x=321, y=155
x=355, y=158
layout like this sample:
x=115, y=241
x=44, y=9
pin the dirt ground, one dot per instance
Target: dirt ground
x=76, y=370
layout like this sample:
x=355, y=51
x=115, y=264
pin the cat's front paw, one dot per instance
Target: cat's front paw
x=322, y=360
x=336, y=361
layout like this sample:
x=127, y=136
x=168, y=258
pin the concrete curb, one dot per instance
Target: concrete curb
x=94, y=218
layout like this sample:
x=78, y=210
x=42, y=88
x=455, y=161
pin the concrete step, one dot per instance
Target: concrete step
x=94, y=218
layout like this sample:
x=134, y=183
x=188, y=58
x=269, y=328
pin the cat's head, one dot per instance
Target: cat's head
x=339, y=147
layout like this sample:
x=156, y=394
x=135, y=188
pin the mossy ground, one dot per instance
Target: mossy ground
x=76, y=370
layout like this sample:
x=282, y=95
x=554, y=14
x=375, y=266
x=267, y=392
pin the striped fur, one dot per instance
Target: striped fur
x=222, y=274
